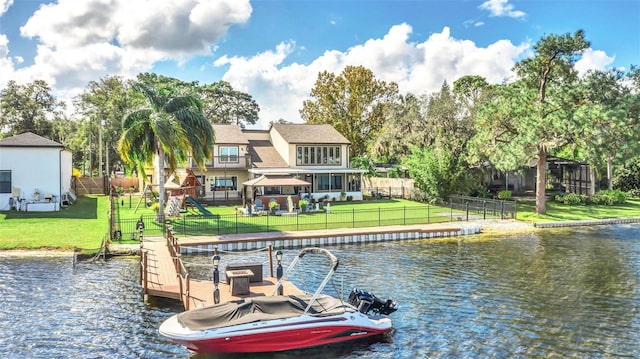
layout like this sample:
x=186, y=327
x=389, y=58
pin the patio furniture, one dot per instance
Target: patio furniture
x=259, y=206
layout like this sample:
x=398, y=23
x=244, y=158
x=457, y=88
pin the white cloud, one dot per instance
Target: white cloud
x=5, y=5
x=80, y=41
x=593, y=60
x=6, y=65
x=501, y=8
x=419, y=68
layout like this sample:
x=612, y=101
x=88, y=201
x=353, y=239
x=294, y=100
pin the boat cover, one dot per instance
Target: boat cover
x=256, y=309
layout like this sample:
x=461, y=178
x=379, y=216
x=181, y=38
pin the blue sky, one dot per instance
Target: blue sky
x=274, y=49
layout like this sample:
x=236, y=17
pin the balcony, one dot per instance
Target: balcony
x=230, y=162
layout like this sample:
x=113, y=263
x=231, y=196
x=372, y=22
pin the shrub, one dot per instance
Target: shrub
x=571, y=199
x=600, y=199
x=634, y=193
x=481, y=192
x=303, y=203
x=504, y=194
x=609, y=197
x=420, y=196
x=155, y=206
x=627, y=177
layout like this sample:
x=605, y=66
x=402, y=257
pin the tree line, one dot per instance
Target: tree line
x=99, y=111
x=547, y=109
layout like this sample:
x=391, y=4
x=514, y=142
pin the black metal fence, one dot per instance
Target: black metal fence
x=483, y=208
x=194, y=225
x=387, y=192
x=459, y=208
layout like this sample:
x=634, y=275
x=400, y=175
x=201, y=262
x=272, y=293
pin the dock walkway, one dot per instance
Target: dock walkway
x=163, y=274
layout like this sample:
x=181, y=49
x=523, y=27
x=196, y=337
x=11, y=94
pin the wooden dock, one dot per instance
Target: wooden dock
x=163, y=274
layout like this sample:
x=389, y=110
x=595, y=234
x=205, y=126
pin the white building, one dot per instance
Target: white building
x=35, y=173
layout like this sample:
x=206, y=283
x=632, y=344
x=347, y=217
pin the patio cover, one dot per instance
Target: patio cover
x=276, y=181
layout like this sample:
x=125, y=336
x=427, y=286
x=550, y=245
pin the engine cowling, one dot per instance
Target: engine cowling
x=367, y=302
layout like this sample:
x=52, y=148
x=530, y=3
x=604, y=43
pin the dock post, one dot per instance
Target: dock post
x=145, y=277
x=187, y=279
x=270, y=259
x=75, y=256
x=216, y=278
x=280, y=290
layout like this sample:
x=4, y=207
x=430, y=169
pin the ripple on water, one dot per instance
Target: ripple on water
x=550, y=294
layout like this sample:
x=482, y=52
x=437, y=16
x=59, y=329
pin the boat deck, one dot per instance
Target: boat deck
x=162, y=279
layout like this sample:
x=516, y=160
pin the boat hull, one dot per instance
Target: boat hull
x=280, y=335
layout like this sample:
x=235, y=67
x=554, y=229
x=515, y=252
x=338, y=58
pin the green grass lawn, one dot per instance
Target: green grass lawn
x=85, y=224
x=81, y=225
x=561, y=212
x=228, y=220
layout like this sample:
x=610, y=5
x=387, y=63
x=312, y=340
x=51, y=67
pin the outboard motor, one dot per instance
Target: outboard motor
x=367, y=302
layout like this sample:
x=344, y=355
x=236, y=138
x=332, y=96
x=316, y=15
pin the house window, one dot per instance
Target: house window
x=5, y=181
x=228, y=154
x=225, y=184
x=323, y=182
x=353, y=183
x=329, y=182
x=318, y=155
x=336, y=183
x=271, y=191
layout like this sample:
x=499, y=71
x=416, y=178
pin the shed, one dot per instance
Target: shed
x=35, y=173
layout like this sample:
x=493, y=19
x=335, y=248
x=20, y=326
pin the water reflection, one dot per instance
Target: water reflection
x=567, y=293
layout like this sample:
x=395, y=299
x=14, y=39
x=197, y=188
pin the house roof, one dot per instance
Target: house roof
x=229, y=134
x=264, y=155
x=276, y=180
x=306, y=133
x=29, y=139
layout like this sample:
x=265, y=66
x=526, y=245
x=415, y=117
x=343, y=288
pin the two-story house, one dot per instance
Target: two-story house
x=287, y=160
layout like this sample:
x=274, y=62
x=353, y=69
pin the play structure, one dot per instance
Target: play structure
x=181, y=195
x=199, y=206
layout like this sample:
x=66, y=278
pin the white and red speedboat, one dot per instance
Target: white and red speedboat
x=281, y=322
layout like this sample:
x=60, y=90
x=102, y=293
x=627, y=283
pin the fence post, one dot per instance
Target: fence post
x=450, y=210
x=218, y=226
x=484, y=209
x=501, y=209
x=236, y=222
x=404, y=215
x=353, y=218
x=428, y=213
x=379, y=224
x=466, y=205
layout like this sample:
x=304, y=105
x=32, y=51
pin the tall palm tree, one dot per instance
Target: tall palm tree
x=168, y=125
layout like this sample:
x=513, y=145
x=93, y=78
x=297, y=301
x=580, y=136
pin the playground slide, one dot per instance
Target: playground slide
x=199, y=206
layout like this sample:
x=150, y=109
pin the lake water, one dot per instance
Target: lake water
x=560, y=293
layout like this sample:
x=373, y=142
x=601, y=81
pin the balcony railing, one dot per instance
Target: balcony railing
x=235, y=162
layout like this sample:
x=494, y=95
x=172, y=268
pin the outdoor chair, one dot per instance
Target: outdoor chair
x=258, y=205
